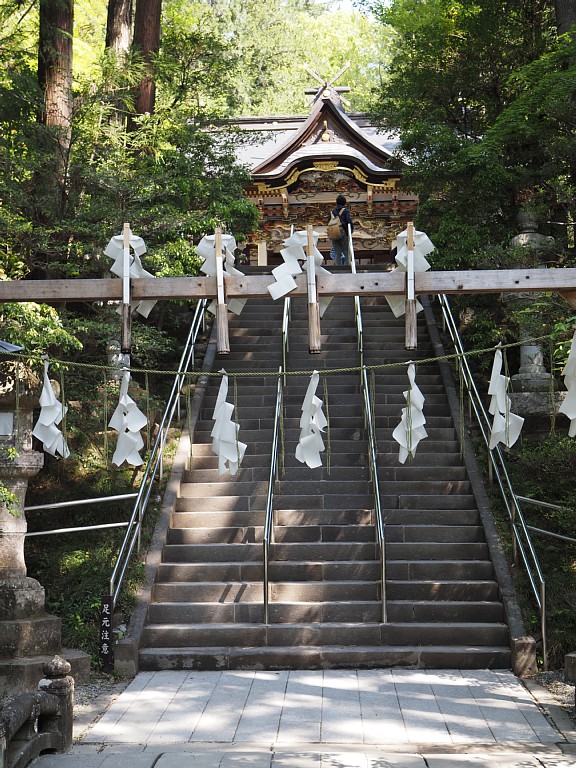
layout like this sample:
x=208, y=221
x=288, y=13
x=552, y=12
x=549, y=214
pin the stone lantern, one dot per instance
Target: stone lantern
x=533, y=384
x=28, y=635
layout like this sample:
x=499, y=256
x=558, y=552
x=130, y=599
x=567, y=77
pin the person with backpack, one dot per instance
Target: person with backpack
x=339, y=226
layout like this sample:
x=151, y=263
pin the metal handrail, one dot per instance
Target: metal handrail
x=378, y=517
x=546, y=505
x=372, y=449
x=357, y=311
x=268, y=536
x=523, y=548
x=154, y=467
x=286, y=315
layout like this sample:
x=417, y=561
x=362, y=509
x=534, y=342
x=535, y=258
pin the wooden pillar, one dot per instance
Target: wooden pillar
x=126, y=333
x=411, y=339
x=262, y=254
x=314, y=343
x=222, y=338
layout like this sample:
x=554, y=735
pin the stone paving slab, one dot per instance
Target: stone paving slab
x=325, y=719
x=301, y=759
x=331, y=706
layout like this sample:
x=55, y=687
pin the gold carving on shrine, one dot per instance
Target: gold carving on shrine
x=326, y=165
x=360, y=175
x=390, y=185
x=285, y=204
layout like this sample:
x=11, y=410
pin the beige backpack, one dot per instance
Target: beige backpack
x=334, y=230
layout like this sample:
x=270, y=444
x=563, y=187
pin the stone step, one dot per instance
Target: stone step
x=234, y=518
x=400, y=571
x=439, y=656
x=359, y=589
x=326, y=610
x=261, y=473
x=443, y=590
x=288, y=534
x=335, y=633
x=258, y=453
x=252, y=592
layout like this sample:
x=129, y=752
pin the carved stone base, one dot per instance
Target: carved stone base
x=532, y=382
x=19, y=675
x=30, y=637
x=21, y=597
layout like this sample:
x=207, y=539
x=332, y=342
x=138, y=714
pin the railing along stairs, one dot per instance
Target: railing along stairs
x=522, y=545
x=372, y=446
x=154, y=468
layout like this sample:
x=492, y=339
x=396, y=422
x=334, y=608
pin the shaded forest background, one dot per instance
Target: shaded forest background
x=124, y=112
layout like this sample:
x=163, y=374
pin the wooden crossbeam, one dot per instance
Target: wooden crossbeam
x=562, y=281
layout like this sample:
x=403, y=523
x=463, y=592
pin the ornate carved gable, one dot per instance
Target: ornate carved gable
x=330, y=154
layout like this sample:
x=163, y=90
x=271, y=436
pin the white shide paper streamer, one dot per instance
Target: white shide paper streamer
x=568, y=407
x=312, y=423
x=127, y=420
x=293, y=253
x=506, y=426
x=206, y=248
x=115, y=250
x=422, y=247
x=411, y=428
x=51, y=414
x=225, y=443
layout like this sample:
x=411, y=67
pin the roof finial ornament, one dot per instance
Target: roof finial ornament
x=328, y=90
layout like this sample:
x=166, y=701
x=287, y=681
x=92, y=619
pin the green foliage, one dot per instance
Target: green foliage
x=483, y=97
x=543, y=469
x=36, y=327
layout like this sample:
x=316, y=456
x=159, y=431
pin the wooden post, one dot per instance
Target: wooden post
x=262, y=254
x=411, y=338
x=126, y=333
x=314, y=343
x=222, y=339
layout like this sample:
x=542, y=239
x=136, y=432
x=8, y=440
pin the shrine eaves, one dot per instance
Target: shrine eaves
x=303, y=162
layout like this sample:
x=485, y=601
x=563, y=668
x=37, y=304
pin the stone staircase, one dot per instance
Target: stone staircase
x=443, y=600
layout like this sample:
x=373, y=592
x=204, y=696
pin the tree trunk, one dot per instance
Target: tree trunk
x=56, y=22
x=55, y=64
x=119, y=27
x=565, y=15
x=147, y=41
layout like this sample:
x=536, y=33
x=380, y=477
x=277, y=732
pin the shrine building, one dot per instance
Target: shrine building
x=300, y=164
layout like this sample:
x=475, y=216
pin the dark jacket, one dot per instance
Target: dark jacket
x=345, y=217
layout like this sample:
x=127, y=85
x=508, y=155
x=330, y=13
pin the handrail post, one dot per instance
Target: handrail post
x=265, y=581
x=314, y=342
x=543, y=625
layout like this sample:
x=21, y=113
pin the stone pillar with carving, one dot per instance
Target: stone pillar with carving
x=532, y=385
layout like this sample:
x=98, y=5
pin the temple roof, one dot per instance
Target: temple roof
x=327, y=133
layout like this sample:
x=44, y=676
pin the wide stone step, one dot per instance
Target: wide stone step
x=326, y=657
x=401, y=572
x=336, y=633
